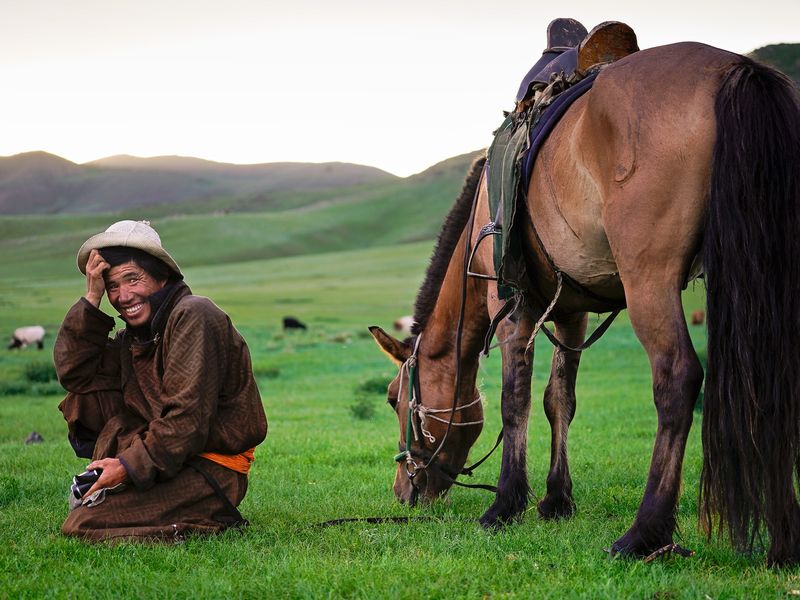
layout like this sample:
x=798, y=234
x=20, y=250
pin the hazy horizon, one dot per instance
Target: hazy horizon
x=222, y=162
x=396, y=87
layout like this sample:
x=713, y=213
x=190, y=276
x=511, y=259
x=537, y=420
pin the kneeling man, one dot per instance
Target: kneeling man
x=168, y=408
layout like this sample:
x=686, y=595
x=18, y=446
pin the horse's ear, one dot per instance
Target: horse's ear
x=396, y=350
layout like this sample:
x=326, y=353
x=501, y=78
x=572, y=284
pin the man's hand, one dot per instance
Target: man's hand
x=113, y=473
x=95, y=285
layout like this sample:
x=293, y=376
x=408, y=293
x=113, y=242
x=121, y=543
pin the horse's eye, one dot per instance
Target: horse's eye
x=392, y=401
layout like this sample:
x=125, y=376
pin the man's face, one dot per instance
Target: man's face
x=128, y=287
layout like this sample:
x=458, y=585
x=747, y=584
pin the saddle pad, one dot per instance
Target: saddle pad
x=509, y=165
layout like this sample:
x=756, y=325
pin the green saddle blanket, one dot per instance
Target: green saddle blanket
x=510, y=163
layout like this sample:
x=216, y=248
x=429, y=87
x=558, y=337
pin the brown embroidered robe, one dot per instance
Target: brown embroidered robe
x=188, y=388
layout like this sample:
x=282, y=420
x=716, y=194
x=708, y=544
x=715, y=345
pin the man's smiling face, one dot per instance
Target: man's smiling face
x=128, y=287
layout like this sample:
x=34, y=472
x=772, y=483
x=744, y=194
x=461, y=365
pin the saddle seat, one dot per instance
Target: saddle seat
x=566, y=70
x=574, y=52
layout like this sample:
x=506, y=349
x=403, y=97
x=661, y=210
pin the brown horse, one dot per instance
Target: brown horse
x=678, y=157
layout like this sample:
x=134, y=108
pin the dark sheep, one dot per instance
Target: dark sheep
x=293, y=323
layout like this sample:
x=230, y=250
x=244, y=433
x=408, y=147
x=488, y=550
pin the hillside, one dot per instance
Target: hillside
x=41, y=183
x=300, y=223
x=785, y=57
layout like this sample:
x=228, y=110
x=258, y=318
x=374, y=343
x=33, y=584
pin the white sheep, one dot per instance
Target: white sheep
x=25, y=336
x=404, y=325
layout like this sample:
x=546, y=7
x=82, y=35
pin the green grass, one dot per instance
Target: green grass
x=321, y=462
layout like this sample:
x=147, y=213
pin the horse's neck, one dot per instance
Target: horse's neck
x=442, y=328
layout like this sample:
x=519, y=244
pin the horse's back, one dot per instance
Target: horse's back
x=624, y=176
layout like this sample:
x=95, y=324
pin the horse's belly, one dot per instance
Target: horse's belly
x=566, y=211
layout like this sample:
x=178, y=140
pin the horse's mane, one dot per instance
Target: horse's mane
x=449, y=235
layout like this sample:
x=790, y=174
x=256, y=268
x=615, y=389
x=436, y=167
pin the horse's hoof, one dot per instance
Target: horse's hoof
x=498, y=516
x=492, y=521
x=633, y=545
x=780, y=562
x=556, y=507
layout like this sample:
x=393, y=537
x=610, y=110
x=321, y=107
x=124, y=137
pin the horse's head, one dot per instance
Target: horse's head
x=422, y=395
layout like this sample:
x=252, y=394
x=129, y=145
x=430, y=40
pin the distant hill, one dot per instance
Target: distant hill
x=785, y=57
x=41, y=183
x=227, y=231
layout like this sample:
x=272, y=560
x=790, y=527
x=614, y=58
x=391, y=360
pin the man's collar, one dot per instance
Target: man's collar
x=161, y=303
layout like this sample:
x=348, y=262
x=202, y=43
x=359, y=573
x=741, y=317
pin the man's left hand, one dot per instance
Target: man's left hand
x=113, y=474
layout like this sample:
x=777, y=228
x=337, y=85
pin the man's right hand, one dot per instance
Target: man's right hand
x=95, y=284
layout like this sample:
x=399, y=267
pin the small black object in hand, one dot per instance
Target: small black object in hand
x=83, y=481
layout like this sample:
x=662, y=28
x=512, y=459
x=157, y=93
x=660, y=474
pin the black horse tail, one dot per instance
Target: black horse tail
x=751, y=255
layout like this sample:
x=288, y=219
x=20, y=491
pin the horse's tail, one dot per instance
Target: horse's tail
x=751, y=255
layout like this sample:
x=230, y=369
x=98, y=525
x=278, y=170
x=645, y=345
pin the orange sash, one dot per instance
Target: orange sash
x=236, y=462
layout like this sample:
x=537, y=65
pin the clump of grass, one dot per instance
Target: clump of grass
x=363, y=408
x=38, y=379
x=266, y=372
x=374, y=385
x=13, y=388
x=40, y=372
x=9, y=489
x=51, y=388
x=366, y=394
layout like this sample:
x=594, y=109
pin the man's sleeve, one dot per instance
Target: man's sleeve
x=86, y=360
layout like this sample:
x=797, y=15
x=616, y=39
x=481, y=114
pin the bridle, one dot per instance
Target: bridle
x=417, y=460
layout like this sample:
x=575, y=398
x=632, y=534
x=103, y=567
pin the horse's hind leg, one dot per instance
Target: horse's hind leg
x=513, y=488
x=657, y=317
x=559, y=406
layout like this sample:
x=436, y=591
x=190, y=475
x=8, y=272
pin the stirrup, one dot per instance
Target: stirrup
x=490, y=229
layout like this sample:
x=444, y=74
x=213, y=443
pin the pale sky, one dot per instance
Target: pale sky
x=396, y=85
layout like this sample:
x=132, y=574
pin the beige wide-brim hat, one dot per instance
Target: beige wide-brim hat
x=132, y=234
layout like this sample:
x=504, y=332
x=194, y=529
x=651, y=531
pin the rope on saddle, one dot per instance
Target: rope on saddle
x=509, y=167
x=540, y=326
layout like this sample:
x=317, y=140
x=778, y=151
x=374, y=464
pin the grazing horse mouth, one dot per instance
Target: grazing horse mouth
x=424, y=487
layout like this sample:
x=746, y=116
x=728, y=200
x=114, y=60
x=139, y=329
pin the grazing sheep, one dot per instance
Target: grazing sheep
x=404, y=325
x=25, y=336
x=293, y=323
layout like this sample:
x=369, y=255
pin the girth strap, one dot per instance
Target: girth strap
x=509, y=307
x=596, y=335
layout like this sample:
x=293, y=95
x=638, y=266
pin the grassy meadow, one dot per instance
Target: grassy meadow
x=322, y=459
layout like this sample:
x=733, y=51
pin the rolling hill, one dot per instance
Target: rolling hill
x=219, y=232
x=41, y=183
x=785, y=57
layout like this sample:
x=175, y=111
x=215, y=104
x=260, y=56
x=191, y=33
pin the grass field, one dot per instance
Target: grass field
x=319, y=462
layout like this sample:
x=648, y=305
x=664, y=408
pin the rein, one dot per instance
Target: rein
x=414, y=395
x=415, y=406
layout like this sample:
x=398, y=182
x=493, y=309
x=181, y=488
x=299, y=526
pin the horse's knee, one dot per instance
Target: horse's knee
x=679, y=373
x=676, y=383
x=559, y=404
x=515, y=403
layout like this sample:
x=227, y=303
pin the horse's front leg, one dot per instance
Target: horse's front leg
x=559, y=406
x=657, y=318
x=513, y=489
